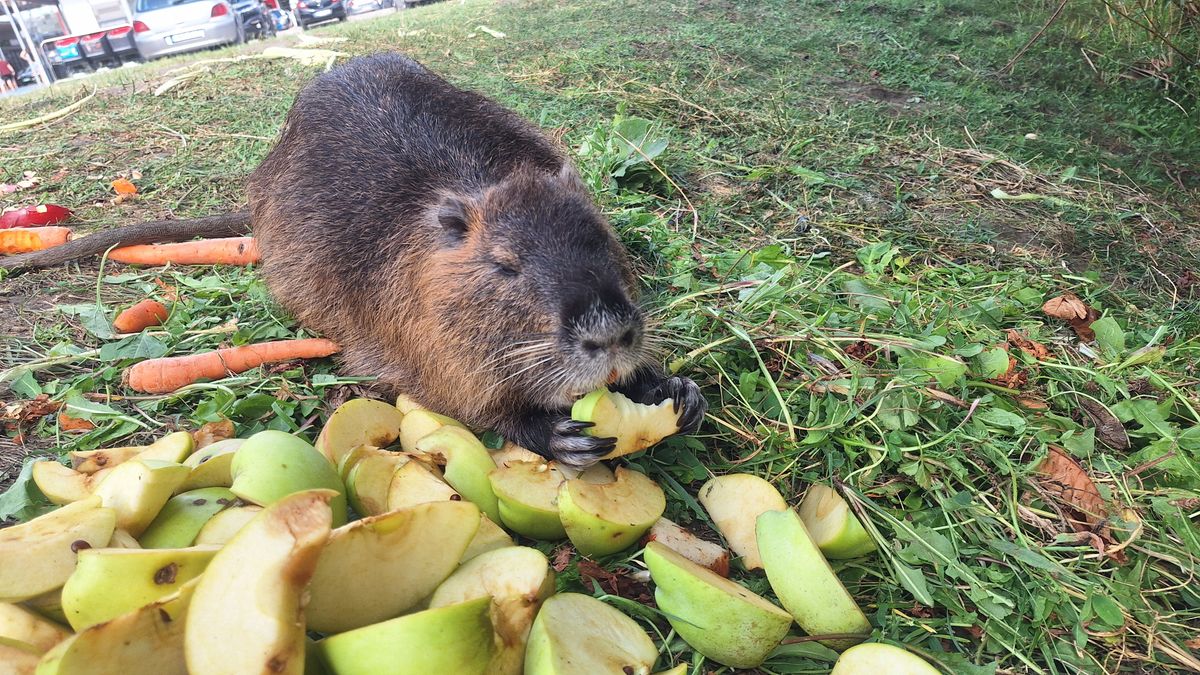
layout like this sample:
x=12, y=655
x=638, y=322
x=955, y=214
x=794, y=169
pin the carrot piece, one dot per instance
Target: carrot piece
x=164, y=375
x=224, y=251
x=142, y=315
x=26, y=239
x=124, y=186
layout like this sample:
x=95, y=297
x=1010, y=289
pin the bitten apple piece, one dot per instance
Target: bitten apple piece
x=418, y=424
x=138, y=489
x=91, y=461
x=703, y=553
x=37, y=556
x=211, y=466
x=247, y=612
x=174, y=447
x=465, y=465
x=733, y=502
x=575, y=634
x=833, y=527
x=517, y=579
x=183, y=516
x=369, y=478
x=489, y=537
x=455, y=639
x=109, y=582
x=636, y=426
x=511, y=452
x=63, y=485
x=18, y=658
x=879, y=659
x=804, y=581
x=601, y=519
x=146, y=641
x=359, y=421
x=272, y=464
x=26, y=626
x=223, y=526
x=418, y=483
x=528, y=494
x=407, y=404
x=717, y=617
x=379, y=567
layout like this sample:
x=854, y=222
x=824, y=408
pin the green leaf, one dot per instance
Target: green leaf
x=913, y=579
x=93, y=318
x=1107, y=610
x=805, y=650
x=1002, y=419
x=946, y=370
x=26, y=385
x=866, y=297
x=1109, y=336
x=22, y=500
x=1080, y=443
x=992, y=363
x=898, y=410
x=80, y=407
x=140, y=346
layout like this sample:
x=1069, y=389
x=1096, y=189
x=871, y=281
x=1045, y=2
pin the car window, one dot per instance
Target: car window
x=148, y=5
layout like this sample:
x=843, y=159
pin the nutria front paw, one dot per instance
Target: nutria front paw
x=688, y=400
x=570, y=445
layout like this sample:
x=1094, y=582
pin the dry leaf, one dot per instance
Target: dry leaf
x=1035, y=349
x=562, y=558
x=1194, y=643
x=169, y=292
x=31, y=410
x=124, y=187
x=617, y=583
x=1032, y=403
x=212, y=432
x=1109, y=429
x=68, y=423
x=1066, y=481
x=1075, y=312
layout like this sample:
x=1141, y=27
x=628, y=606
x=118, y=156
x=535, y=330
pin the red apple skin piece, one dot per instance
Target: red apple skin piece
x=34, y=216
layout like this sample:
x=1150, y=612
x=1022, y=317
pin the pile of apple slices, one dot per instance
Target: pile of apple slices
x=230, y=558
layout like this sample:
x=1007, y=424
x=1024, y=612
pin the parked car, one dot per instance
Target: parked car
x=281, y=19
x=163, y=27
x=309, y=12
x=360, y=6
x=255, y=19
x=26, y=76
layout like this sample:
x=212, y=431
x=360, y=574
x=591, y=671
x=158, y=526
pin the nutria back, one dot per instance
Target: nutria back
x=448, y=246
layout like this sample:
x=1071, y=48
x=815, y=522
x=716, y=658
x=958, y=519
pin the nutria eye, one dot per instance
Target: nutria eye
x=507, y=271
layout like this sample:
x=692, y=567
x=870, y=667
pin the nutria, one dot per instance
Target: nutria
x=450, y=248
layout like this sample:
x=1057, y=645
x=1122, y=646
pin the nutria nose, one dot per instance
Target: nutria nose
x=624, y=340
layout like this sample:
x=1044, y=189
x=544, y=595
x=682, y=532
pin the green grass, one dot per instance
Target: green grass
x=820, y=237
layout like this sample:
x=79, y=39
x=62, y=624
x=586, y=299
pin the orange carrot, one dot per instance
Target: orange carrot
x=142, y=315
x=123, y=186
x=26, y=239
x=226, y=251
x=164, y=375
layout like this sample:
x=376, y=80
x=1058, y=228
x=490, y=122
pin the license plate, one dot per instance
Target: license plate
x=184, y=37
x=322, y=12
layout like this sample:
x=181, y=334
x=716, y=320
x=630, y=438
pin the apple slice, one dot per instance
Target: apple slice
x=122, y=539
x=489, y=537
x=18, y=658
x=703, y=553
x=211, y=466
x=359, y=421
x=833, y=527
x=517, y=579
x=109, y=582
x=453, y=640
x=733, y=502
x=49, y=605
x=635, y=426
x=875, y=658
x=406, y=404
x=369, y=478
x=247, y=613
x=681, y=669
x=601, y=519
x=138, y=489
x=23, y=625
x=466, y=465
x=528, y=495
x=804, y=581
x=510, y=452
x=91, y=461
x=418, y=483
x=418, y=424
x=223, y=526
x=717, y=617
x=182, y=517
x=575, y=634
x=597, y=474
x=37, y=556
x=63, y=485
x=379, y=567
x=146, y=641
x=272, y=464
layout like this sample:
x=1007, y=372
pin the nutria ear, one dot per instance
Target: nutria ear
x=569, y=177
x=456, y=214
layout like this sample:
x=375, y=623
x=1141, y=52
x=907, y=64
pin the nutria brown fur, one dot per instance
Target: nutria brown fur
x=453, y=251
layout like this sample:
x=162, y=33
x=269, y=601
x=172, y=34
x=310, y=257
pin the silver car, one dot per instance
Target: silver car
x=164, y=27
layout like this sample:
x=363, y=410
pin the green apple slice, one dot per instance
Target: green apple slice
x=138, y=489
x=247, y=612
x=517, y=579
x=528, y=495
x=181, y=519
x=804, y=581
x=379, y=567
x=174, y=447
x=122, y=539
x=489, y=537
x=211, y=466
x=223, y=526
x=91, y=461
x=717, y=617
x=575, y=634
x=733, y=502
x=597, y=474
x=18, y=658
x=418, y=483
x=272, y=464
x=833, y=527
x=635, y=426
x=63, y=485
x=453, y=640
x=109, y=582
x=875, y=658
x=359, y=421
x=37, y=556
x=146, y=641
x=407, y=404
x=601, y=519
x=28, y=627
x=418, y=424
x=511, y=452
x=49, y=605
x=703, y=553
x=369, y=478
x=466, y=465
x=681, y=669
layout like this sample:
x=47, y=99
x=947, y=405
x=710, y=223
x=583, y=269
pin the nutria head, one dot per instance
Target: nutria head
x=533, y=287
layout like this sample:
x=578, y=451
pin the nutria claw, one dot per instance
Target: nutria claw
x=689, y=402
x=569, y=446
